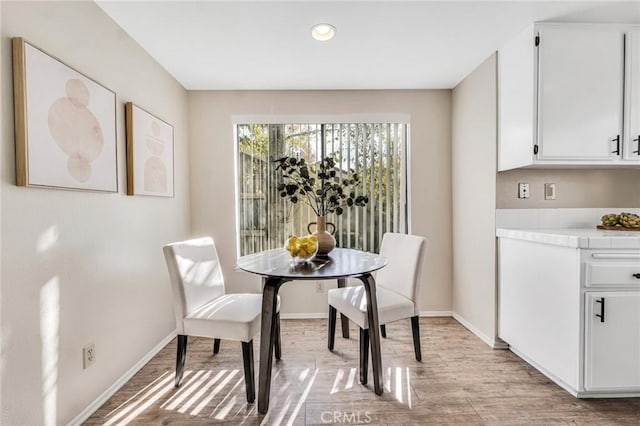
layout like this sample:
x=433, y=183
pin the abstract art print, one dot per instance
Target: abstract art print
x=149, y=153
x=65, y=125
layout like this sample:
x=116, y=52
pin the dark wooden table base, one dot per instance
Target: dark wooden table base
x=271, y=286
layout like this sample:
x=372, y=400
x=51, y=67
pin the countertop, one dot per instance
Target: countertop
x=575, y=237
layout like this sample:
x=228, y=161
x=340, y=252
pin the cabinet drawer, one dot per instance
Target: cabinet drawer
x=625, y=274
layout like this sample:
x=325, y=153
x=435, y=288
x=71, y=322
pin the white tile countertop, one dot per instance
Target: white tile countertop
x=575, y=237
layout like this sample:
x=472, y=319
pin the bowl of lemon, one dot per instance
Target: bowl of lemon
x=302, y=249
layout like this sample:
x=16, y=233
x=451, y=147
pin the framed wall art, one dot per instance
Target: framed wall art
x=149, y=153
x=65, y=124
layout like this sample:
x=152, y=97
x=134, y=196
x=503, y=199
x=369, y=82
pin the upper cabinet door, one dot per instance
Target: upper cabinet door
x=632, y=97
x=580, y=93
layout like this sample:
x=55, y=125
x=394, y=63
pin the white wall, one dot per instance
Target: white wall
x=3, y=95
x=474, y=199
x=574, y=188
x=212, y=175
x=101, y=277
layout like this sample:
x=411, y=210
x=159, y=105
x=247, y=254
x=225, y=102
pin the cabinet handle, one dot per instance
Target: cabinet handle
x=601, y=314
x=636, y=276
x=617, y=141
x=637, y=151
x=615, y=255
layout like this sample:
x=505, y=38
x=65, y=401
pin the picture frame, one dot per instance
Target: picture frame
x=65, y=124
x=150, y=168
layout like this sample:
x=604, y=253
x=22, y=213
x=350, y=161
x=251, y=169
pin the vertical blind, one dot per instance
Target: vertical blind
x=375, y=151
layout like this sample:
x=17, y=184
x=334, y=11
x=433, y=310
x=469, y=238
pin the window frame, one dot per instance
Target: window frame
x=373, y=118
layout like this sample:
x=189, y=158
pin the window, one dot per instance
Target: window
x=376, y=151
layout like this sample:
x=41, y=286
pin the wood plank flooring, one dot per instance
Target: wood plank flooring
x=459, y=381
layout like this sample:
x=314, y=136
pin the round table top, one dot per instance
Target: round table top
x=339, y=263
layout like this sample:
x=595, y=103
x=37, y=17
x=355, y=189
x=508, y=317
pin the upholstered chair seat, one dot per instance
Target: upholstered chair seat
x=203, y=309
x=397, y=292
x=352, y=302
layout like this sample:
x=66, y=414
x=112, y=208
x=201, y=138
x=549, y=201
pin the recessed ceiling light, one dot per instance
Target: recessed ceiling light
x=323, y=32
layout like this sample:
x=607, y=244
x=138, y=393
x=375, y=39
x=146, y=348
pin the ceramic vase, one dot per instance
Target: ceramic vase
x=326, y=242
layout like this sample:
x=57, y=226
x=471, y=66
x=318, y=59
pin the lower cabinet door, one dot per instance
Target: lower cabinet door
x=612, y=341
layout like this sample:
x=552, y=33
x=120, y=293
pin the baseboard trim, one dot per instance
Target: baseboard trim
x=500, y=344
x=302, y=315
x=324, y=315
x=545, y=372
x=98, y=402
x=492, y=342
x=436, y=313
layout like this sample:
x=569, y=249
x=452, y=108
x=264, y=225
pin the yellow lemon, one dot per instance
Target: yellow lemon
x=292, y=243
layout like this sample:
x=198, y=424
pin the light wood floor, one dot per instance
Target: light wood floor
x=460, y=381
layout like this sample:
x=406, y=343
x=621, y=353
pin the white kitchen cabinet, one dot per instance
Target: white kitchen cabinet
x=539, y=319
x=631, y=150
x=562, y=98
x=612, y=340
x=550, y=292
x=580, y=88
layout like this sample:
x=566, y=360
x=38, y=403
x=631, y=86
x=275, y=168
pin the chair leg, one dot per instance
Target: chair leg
x=364, y=356
x=415, y=327
x=345, y=326
x=216, y=346
x=180, y=358
x=342, y=282
x=383, y=331
x=247, y=358
x=278, y=341
x=332, y=327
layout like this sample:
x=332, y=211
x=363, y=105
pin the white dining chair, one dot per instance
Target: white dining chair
x=397, y=291
x=203, y=309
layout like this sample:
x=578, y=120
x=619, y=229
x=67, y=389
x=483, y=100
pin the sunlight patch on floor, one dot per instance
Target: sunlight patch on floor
x=198, y=396
x=398, y=383
x=229, y=393
x=140, y=405
x=135, y=397
x=284, y=409
x=302, y=399
x=336, y=382
x=188, y=386
x=221, y=395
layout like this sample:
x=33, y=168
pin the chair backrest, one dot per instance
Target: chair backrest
x=196, y=275
x=403, y=273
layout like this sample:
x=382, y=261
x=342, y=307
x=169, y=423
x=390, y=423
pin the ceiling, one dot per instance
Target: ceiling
x=251, y=45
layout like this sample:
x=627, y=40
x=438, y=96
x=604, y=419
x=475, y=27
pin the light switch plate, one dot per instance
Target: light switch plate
x=549, y=191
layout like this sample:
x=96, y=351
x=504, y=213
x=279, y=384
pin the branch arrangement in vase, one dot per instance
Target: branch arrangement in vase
x=321, y=186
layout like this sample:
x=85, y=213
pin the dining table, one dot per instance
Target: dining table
x=276, y=267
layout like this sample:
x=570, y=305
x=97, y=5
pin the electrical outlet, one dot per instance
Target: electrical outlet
x=549, y=191
x=523, y=190
x=319, y=287
x=88, y=355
